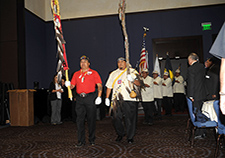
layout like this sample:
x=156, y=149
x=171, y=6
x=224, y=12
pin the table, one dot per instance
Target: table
x=209, y=111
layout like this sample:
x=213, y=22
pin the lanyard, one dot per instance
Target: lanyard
x=82, y=76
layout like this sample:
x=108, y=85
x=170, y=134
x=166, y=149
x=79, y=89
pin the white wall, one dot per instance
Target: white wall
x=88, y=8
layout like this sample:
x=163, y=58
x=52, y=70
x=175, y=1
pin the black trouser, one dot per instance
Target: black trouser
x=85, y=107
x=128, y=109
x=149, y=111
x=74, y=114
x=179, y=101
x=158, y=105
x=197, y=106
x=167, y=104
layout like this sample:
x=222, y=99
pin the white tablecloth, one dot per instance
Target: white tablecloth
x=209, y=111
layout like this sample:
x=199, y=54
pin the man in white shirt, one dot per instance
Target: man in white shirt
x=167, y=94
x=179, y=92
x=147, y=97
x=157, y=87
x=119, y=80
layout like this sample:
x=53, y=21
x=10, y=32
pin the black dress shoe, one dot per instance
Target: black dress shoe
x=80, y=144
x=130, y=141
x=150, y=123
x=145, y=123
x=198, y=137
x=119, y=138
x=59, y=123
x=92, y=143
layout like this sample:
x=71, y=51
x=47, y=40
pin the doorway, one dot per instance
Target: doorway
x=178, y=49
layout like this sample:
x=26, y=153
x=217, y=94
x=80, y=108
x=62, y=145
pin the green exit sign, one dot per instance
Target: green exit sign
x=206, y=26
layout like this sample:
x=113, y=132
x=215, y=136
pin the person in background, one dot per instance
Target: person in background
x=147, y=97
x=55, y=91
x=212, y=81
x=179, y=92
x=196, y=91
x=158, y=96
x=167, y=94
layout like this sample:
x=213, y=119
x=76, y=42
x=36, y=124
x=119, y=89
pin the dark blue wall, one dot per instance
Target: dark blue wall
x=36, y=62
x=101, y=38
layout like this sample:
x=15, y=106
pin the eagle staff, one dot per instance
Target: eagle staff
x=62, y=67
x=122, y=7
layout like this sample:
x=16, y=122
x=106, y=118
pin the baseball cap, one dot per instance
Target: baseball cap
x=166, y=73
x=84, y=57
x=121, y=58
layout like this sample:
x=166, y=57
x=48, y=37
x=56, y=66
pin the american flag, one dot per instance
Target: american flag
x=143, y=57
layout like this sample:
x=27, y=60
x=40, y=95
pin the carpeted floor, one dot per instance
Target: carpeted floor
x=166, y=138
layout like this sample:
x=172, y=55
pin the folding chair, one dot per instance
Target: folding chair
x=196, y=124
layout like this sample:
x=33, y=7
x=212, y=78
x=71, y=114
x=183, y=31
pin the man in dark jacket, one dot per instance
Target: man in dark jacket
x=212, y=66
x=195, y=82
x=196, y=86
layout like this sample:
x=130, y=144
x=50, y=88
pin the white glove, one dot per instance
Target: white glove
x=107, y=102
x=67, y=83
x=129, y=78
x=98, y=100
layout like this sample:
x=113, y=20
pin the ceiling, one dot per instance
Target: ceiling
x=70, y=9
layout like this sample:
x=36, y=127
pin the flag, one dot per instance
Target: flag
x=61, y=50
x=143, y=57
x=218, y=47
x=157, y=67
x=168, y=67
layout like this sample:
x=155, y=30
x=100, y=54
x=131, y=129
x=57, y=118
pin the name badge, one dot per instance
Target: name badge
x=119, y=81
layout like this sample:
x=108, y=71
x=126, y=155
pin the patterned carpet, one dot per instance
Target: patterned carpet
x=166, y=138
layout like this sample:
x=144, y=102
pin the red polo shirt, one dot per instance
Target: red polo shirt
x=85, y=82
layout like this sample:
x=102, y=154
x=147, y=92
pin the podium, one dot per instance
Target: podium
x=21, y=104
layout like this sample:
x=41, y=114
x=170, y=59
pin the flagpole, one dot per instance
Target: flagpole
x=145, y=34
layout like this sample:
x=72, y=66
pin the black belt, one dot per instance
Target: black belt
x=83, y=95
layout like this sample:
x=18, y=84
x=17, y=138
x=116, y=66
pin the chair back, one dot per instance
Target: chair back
x=190, y=109
x=221, y=127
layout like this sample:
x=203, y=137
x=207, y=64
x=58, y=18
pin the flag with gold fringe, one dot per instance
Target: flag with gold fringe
x=168, y=67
